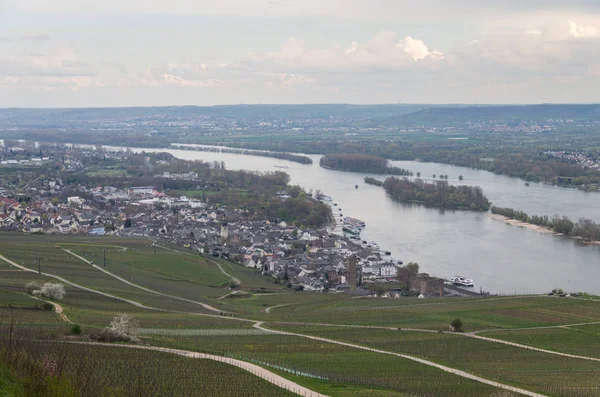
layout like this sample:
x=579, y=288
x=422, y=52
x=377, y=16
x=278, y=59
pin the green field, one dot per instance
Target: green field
x=169, y=283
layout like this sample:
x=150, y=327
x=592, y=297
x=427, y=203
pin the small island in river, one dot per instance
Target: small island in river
x=361, y=163
x=439, y=194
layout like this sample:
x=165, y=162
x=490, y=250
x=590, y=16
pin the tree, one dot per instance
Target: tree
x=418, y=174
x=413, y=267
x=54, y=291
x=123, y=327
x=405, y=273
x=127, y=223
x=460, y=177
x=456, y=325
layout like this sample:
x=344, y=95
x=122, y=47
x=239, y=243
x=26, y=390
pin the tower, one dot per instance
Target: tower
x=352, y=272
x=224, y=232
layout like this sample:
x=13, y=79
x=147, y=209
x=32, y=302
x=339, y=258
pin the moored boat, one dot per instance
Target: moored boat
x=465, y=282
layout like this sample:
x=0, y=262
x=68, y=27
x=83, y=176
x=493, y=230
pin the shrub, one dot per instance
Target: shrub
x=32, y=286
x=48, y=306
x=456, y=325
x=123, y=328
x=53, y=291
x=75, y=329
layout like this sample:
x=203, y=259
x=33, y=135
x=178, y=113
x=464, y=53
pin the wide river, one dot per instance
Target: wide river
x=499, y=257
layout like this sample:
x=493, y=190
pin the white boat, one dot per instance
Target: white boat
x=466, y=282
x=373, y=245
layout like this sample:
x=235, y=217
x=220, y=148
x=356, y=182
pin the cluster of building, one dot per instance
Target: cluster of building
x=305, y=259
x=583, y=159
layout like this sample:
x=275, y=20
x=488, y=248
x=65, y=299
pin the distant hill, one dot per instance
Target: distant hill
x=449, y=116
x=361, y=116
x=249, y=112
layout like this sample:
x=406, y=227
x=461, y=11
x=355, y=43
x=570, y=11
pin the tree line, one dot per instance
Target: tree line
x=529, y=163
x=585, y=228
x=278, y=155
x=372, y=181
x=359, y=162
x=440, y=194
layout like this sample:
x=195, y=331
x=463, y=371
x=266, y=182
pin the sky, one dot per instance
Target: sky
x=78, y=53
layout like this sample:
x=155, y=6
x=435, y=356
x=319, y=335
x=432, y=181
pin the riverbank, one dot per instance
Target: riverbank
x=525, y=225
x=540, y=229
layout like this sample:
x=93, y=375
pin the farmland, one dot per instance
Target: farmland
x=183, y=301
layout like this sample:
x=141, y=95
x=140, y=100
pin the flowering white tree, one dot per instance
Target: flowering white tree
x=123, y=327
x=55, y=291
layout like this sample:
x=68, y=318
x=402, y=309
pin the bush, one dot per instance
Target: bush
x=456, y=325
x=53, y=291
x=75, y=329
x=123, y=328
x=48, y=306
x=32, y=286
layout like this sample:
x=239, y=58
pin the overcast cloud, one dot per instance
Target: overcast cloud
x=127, y=53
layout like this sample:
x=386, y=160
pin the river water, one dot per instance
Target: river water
x=499, y=257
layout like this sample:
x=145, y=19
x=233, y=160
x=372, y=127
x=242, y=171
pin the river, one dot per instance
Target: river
x=499, y=257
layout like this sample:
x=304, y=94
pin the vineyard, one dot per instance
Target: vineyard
x=412, y=327
x=535, y=371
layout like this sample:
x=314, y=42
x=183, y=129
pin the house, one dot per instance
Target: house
x=250, y=263
x=142, y=190
x=74, y=201
x=97, y=231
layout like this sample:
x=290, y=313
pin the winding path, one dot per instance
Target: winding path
x=58, y=309
x=268, y=309
x=460, y=373
x=254, y=369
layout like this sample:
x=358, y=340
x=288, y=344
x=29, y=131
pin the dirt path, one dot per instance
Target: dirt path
x=137, y=304
x=268, y=309
x=234, y=279
x=532, y=328
x=254, y=369
x=58, y=309
x=204, y=305
x=504, y=342
x=460, y=373
x=229, y=294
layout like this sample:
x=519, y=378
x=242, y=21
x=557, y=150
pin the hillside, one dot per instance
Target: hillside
x=281, y=343
x=457, y=116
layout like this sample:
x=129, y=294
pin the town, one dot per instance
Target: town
x=317, y=258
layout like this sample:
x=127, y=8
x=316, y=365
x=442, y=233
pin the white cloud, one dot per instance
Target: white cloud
x=417, y=49
x=580, y=31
